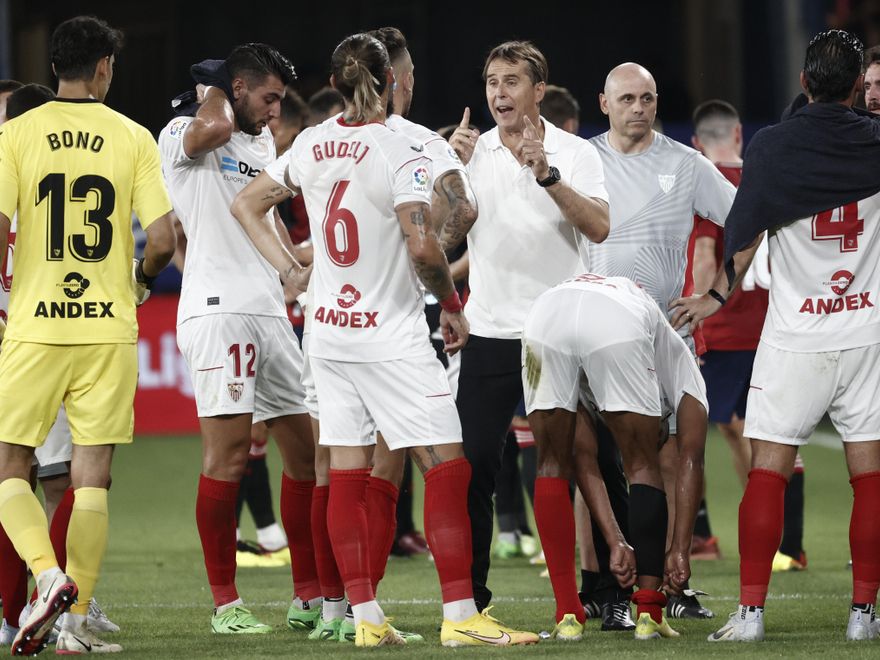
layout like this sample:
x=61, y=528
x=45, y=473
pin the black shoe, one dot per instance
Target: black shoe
x=616, y=616
x=592, y=609
x=687, y=607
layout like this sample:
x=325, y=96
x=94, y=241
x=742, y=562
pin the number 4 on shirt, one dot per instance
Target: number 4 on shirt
x=846, y=228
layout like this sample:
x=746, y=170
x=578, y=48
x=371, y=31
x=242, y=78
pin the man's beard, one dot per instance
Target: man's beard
x=246, y=123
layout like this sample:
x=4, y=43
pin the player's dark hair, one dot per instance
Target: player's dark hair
x=9, y=86
x=714, y=120
x=559, y=105
x=392, y=39
x=832, y=65
x=359, y=66
x=324, y=100
x=293, y=107
x=79, y=43
x=27, y=98
x=872, y=56
x=520, y=51
x=255, y=61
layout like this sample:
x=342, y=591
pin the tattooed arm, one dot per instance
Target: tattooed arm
x=251, y=208
x=431, y=267
x=454, y=210
x=424, y=250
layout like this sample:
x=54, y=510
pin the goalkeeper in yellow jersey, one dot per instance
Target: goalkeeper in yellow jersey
x=74, y=171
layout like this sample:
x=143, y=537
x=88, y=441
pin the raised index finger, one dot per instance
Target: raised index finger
x=465, y=118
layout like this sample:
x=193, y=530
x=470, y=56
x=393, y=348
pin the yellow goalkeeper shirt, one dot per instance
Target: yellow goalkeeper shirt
x=75, y=170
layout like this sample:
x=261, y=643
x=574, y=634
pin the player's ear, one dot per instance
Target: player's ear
x=603, y=103
x=804, y=84
x=239, y=87
x=539, y=91
x=695, y=142
x=333, y=81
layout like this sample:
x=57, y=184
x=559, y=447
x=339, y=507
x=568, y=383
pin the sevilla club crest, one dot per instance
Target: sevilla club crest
x=235, y=390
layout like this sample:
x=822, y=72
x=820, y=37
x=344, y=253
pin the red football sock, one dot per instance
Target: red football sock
x=58, y=528
x=296, y=516
x=448, y=527
x=760, y=531
x=650, y=601
x=13, y=580
x=325, y=562
x=215, y=517
x=382, y=514
x=864, y=537
x=554, y=516
x=347, y=524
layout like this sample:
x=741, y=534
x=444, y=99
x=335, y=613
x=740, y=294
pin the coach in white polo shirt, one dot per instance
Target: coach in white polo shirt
x=537, y=188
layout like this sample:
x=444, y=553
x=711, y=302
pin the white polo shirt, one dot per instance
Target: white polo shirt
x=521, y=245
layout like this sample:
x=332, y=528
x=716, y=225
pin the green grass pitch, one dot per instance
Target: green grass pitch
x=153, y=583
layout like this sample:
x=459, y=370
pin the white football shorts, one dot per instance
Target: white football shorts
x=569, y=333
x=678, y=372
x=243, y=364
x=409, y=401
x=790, y=392
x=308, y=380
x=57, y=450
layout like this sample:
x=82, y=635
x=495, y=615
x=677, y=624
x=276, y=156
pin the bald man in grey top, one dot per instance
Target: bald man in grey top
x=655, y=186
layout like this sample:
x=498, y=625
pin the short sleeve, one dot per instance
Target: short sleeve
x=171, y=142
x=149, y=197
x=588, y=177
x=442, y=156
x=8, y=175
x=277, y=168
x=713, y=193
x=413, y=181
x=707, y=229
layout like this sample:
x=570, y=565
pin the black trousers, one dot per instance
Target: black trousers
x=489, y=389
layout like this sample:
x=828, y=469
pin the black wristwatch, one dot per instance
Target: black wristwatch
x=553, y=177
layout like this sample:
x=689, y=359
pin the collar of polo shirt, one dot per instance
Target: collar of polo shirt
x=551, y=138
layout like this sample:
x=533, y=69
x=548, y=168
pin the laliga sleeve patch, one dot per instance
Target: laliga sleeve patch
x=421, y=180
x=453, y=156
x=177, y=127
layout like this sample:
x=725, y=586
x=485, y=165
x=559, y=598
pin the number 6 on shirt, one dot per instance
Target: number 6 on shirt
x=340, y=229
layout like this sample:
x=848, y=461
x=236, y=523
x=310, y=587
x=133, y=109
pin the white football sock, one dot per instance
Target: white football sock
x=333, y=608
x=272, y=538
x=369, y=612
x=459, y=610
x=226, y=606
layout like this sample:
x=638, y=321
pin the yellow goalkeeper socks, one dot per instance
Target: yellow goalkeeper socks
x=86, y=542
x=25, y=523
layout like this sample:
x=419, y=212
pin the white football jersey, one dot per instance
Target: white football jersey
x=224, y=272
x=442, y=155
x=653, y=196
x=367, y=305
x=826, y=280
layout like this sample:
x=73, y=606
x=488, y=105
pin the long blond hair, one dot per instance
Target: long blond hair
x=359, y=66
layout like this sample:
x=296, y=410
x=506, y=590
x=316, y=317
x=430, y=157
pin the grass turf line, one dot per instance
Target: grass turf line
x=154, y=586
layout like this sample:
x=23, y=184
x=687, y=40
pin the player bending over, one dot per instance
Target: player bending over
x=609, y=334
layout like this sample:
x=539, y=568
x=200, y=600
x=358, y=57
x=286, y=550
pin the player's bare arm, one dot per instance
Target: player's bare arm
x=705, y=266
x=213, y=125
x=179, y=258
x=251, y=208
x=691, y=438
x=455, y=208
x=695, y=309
x=588, y=215
x=592, y=487
x=161, y=244
x=432, y=269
